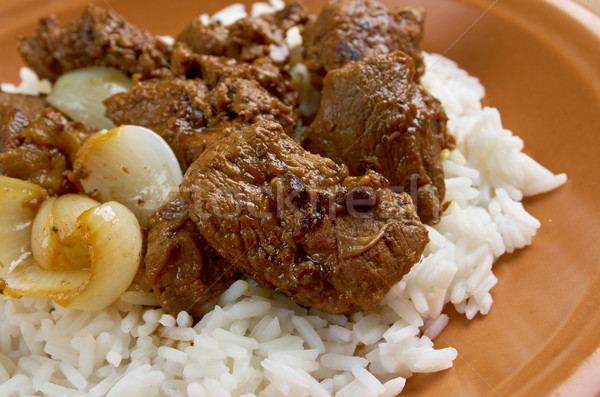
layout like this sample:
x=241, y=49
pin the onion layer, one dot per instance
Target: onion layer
x=79, y=93
x=19, y=201
x=56, y=243
x=131, y=165
x=113, y=239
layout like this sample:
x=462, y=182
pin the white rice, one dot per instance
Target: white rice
x=30, y=84
x=255, y=343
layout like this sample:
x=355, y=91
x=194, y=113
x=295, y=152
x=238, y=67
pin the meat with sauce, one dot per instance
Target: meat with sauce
x=374, y=116
x=214, y=69
x=40, y=150
x=190, y=114
x=182, y=268
x=248, y=38
x=99, y=37
x=31, y=106
x=173, y=108
x=298, y=223
x=350, y=30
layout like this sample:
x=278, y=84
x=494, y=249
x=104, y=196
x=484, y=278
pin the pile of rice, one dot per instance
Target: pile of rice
x=256, y=343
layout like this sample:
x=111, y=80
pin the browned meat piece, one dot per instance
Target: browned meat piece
x=99, y=38
x=214, y=69
x=52, y=129
x=350, y=30
x=168, y=107
x=205, y=39
x=154, y=102
x=189, y=144
x=190, y=117
x=247, y=39
x=42, y=165
x=245, y=101
x=41, y=151
x=182, y=268
x=296, y=221
x=373, y=116
x=31, y=106
x=12, y=122
x=292, y=14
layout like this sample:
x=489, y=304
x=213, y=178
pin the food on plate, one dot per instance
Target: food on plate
x=297, y=222
x=374, y=116
x=236, y=261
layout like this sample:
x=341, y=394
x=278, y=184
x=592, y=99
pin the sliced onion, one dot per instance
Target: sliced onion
x=79, y=93
x=113, y=238
x=131, y=165
x=19, y=201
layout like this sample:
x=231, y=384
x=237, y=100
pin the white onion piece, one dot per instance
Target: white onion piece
x=19, y=201
x=114, y=240
x=131, y=165
x=56, y=243
x=79, y=93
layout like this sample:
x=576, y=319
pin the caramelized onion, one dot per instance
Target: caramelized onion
x=110, y=232
x=19, y=201
x=56, y=243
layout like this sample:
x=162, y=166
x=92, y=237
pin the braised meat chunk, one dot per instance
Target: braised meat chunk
x=215, y=69
x=40, y=150
x=173, y=108
x=350, y=30
x=99, y=38
x=182, y=268
x=12, y=122
x=247, y=39
x=373, y=116
x=296, y=221
x=190, y=114
x=30, y=105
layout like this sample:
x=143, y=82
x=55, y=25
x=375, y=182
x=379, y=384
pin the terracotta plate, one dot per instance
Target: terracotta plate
x=540, y=62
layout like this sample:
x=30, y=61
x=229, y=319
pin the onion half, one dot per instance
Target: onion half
x=110, y=232
x=131, y=165
x=79, y=93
